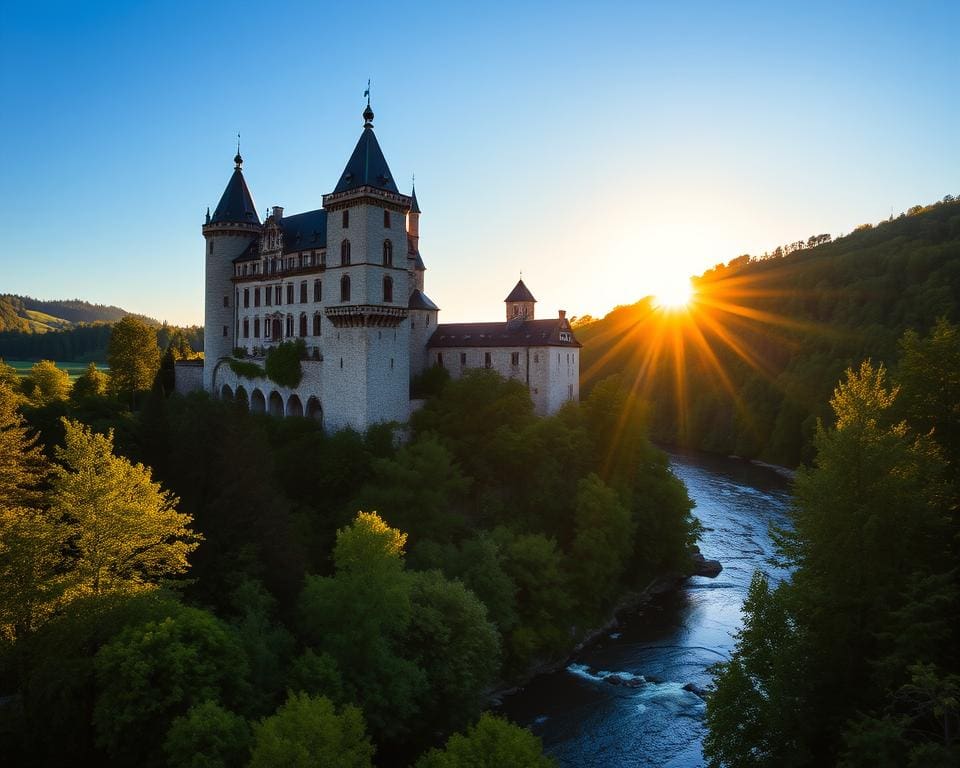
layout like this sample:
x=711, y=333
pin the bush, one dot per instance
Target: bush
x=283, y=363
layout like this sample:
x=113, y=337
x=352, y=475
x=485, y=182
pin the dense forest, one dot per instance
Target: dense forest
x=190, y=582
x=855, y=661
x=25, y=313
x=749, y=367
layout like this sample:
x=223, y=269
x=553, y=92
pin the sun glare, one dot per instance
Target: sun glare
x=674, y=294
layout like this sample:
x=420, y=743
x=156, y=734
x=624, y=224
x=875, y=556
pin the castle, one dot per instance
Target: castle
x=348, y=280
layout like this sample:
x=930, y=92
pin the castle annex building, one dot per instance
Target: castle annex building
x=348, y=280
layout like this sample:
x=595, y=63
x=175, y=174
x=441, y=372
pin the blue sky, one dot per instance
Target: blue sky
x=598, y=147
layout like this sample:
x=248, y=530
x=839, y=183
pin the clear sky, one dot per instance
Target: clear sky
x=596, y=146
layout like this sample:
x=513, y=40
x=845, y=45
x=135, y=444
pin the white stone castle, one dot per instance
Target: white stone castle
x=347, y=278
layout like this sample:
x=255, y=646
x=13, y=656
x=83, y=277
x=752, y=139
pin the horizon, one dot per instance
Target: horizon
x=756, y=143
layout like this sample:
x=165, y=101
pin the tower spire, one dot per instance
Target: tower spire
x=238, y=160
x=368, y=112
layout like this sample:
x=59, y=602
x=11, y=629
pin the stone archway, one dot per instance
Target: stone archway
x=258, y=403
x=275, y=404
x=294, y=406
x=315, y=410
x=226, y=393
x=241, y=397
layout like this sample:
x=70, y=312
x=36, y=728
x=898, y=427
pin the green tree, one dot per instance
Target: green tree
x=308, y=732
x=207, y=736
x=47, y=383
x=91, y=383
x=133, y=355
x=152, y=673
x=125, y=532
x=492, y=743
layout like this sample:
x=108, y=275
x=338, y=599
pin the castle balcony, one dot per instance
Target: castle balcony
x=366, y=315
x=313, y=269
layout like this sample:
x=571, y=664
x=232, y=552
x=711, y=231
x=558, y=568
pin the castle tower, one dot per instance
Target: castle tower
x=367, y=356
x=232, y=230
x=520, y=302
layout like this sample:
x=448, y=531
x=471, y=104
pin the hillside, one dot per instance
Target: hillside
x=25, y=313
x=751, y=366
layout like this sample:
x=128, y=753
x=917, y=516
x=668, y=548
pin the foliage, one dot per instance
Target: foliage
x=46, y=383
x=491, y=743
x=150, y=674
x=246, y=369
x=283, y=362
x=307, y=731
x=91, y=383
x=207, y=736
x=133, y=355
x=430, y=382
x=125, y=531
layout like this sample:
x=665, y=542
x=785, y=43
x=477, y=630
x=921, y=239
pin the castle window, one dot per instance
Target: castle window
x=289, y=325
x=226, y=301
x=463, y=358
x=256, y=327
x=224, y=331
x=317, y=290
x=387, y=253
x=256, y=297
x=303, y=292
x=246, y=327
x=211, y=247
x=303, y=323
x=289, y=293
x=386, y=219
x=487, y=362
x=346, y=219
x=323, y=259
x=345, y=253
x=267, y=296
x=387, y=290
x=246, y=298
x=345, y=288
x=278, y=291
x=316, y=324
x=514, y=359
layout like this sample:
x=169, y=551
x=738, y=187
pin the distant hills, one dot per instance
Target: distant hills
x=751, y=368
x=30, y=315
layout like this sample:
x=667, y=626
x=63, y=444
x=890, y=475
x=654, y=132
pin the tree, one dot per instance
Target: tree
x=151, y=673
x=91, y=383
x=47, y=383
x=307, y=732
x=207, y=736
x=133, y=355
x=125, y=531
x=492, y=743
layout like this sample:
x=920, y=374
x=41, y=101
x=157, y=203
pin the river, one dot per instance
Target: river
x=587, y=722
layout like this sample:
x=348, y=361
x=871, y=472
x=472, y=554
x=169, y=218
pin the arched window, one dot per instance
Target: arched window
x=303, y=323
x=303, y=292
x=387, y=290
x=387, y=253
x=346, y=219
x=386, y=219
x=316, y=324
x=345, y=253
x=317, y=290
x=345, y=288
x=289, y=325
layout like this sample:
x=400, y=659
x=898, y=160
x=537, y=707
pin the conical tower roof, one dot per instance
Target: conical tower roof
x=520, y=292
x=367, y=167
x=236, y=206
x=414, y=205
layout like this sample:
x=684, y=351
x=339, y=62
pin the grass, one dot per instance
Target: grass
x=23, y=367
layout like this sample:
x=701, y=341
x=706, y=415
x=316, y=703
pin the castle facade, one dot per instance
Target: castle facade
x=348, y=280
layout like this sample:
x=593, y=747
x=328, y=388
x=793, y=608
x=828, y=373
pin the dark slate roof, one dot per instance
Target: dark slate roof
x=367, y=166
x=420, y=300
x=520, y=292
x=515, y=333
x=250, y=253
x=304, y=231
x=236, y=206
x=414, y=205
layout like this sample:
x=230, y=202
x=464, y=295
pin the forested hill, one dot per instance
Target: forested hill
x=25, y=313
x=749, y=368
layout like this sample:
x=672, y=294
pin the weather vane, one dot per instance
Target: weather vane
x=366, y=93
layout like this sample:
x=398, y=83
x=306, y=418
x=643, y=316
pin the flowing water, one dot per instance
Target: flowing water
x=621, y=702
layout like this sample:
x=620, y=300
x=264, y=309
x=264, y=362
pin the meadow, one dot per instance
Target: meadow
x=22, y=367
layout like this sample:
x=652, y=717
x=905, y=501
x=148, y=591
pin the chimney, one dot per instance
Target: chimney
x=277, y=212
x=563, y=315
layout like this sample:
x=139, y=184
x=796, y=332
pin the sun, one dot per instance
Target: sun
x=673, y=293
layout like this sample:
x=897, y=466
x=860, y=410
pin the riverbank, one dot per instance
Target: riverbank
x=627, y=604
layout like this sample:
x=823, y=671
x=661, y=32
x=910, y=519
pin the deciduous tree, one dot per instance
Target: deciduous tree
x=133, y=355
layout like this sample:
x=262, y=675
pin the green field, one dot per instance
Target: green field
x=23, y=367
